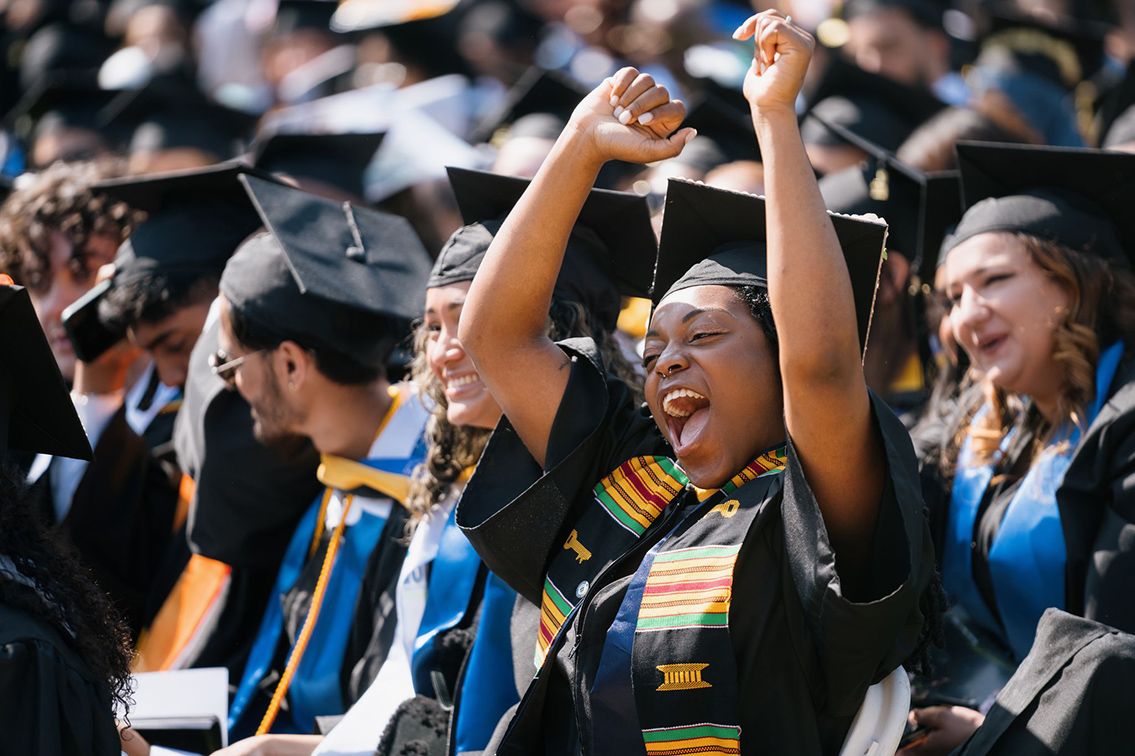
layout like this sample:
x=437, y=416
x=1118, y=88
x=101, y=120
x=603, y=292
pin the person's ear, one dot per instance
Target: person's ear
x=296, y=364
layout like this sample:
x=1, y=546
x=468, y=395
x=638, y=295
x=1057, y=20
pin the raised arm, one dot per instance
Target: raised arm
x=826, y=406
x=504, y=324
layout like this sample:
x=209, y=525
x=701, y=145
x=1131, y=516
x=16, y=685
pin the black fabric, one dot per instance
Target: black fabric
x=247, y=497
x=1080, y=198
x=36, y=412
x=883, y=190
x=582, y=278
x=1071, y=695
x=612, y=247
x=713, y=236
x=418, y=727
x=323, y=266
x=228, y=645
x=1122, y=131
x=789, y=621
x=551, y=93
x=53, y=704
x=120, y=520
x=338, y=160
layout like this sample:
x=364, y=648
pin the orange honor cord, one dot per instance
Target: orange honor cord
x=309, y=622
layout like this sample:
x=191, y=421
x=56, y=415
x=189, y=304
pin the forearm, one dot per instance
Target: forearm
x=509, y=300
x=818, y=337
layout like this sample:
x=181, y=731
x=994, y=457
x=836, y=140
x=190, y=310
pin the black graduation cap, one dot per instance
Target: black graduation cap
x=323, y=264
x=1065, y=52
x=1079, y=198
x=919, y=207
x=338, y=160
x=62, y=49
x=927, y=13
x=72, y=100
x=171, y=113
x=881, y=110
x=5, y=187
x=611, y=251
x=727, y=124
x=297, y=15
x=36, y=412
x=715, y=236
x=537, y=91
x=195, y=220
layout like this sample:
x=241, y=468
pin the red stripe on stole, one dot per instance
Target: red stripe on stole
x=652, y=497
x=653, y=590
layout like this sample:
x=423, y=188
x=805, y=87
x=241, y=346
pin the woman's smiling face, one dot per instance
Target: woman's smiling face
x=468, y=400
x=712, y=382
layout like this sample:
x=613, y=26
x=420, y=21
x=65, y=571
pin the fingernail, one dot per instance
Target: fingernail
x=690, y=137
x=646, y=118
x=625, y=117
x=614, y=101
x=737, y=33
x=619, y=112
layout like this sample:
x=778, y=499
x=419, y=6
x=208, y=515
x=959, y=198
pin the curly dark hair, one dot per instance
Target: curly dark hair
x=452, y=449
x=59, y=198
x=64, y=596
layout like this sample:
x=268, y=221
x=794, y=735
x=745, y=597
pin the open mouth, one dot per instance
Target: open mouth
x=988, y=346
x=687, y=413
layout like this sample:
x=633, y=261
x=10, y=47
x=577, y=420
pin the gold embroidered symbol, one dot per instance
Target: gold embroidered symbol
x=682, y=677
x=582, y=554
x=727, y=508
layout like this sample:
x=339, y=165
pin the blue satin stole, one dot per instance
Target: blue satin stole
x=316, y=689
x=1028, y=555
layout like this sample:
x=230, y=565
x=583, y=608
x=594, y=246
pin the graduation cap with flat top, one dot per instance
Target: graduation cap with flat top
x=613, y=245
x=36, y=412
x=338, y=160
x=538, y=91
x=71, y=100
x=323, y=262
x=917, y=206
x=714, y=236
x=1065, y=52
x=1080, y=198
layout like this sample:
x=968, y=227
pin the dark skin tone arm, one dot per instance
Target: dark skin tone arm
x=827, y=409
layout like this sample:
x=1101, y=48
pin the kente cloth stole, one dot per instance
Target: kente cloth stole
x=683, y=669
x=625, y=504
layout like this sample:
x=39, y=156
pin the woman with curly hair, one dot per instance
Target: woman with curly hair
x=1038, y=477
x=64, y=656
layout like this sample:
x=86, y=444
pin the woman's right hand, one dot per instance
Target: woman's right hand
x=630, y=117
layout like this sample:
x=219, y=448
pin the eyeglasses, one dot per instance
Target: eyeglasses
x=226, y=367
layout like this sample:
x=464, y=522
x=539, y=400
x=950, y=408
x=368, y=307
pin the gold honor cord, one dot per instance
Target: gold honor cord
x=348, y=475
x=309, y=622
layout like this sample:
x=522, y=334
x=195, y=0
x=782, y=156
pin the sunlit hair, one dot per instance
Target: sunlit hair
x=59, y=198
x=1101, y=311
x=451, y=449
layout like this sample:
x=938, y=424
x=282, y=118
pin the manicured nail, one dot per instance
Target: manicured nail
x=614, y=101
x=619, y=112
x=646, y=118
x=625, y=117
x=690, y=137
x=737, y=32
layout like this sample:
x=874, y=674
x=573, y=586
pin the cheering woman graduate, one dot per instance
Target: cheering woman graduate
x=726, y=569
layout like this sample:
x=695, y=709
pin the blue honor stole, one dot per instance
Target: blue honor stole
x=1028, y=556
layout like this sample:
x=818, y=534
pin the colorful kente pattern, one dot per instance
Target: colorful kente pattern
x=638, y=490
x=554, y=609
x=688, y=588
x=709, y=739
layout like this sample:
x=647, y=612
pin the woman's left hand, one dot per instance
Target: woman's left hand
x=947, y=728
x=781, y=54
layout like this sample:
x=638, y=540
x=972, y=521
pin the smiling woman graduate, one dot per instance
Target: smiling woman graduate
x=728, y=568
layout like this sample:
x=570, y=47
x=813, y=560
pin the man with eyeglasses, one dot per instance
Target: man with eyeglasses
x=310, y=312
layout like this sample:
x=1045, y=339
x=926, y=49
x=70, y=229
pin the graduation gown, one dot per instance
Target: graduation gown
x=1095, y=501
x=52, y=703
x=1072, y=694
x=121, y=518
x=789, y=623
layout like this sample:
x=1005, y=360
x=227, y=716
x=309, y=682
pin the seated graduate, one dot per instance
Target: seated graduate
x=1038, y=274
x=742, y=598
x=64, y=655
x=443, y=592
x=56, y=232
x=310, y=311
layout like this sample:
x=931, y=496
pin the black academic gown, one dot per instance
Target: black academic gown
x=246, y=503
x=1072, y=695
x=1097, y=509
x=50, y=702
x=804, y=653
x=121, y=518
